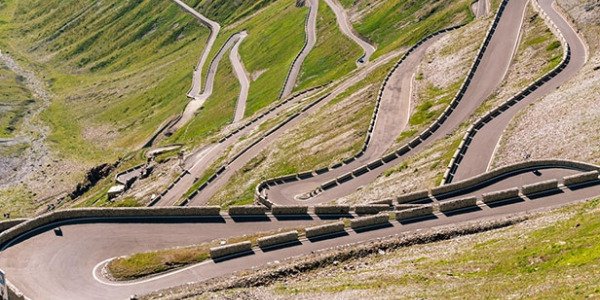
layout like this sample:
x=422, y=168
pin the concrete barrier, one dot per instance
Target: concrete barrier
x=8, y=224
x=580, y=178
x=379, y=219
x=226, y=250
x=535, y=188
x=500, y=195
x=400, y=207
x=320, y=230
x=289, y=210
x=458, y=204
x=388, y=201
x=332, y=209
x=528, y=165
x=277, y=239
x=247, y=210
x=371, y=209
x=411, y=213
x=82, y=213
x=414, y=196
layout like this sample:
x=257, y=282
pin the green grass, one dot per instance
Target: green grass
x=437, y=100
x=148, y=263
x=394, y=24
x=334, y=54
x=540, y=39
x=15, y=98
x=217, y=112
x=553, y=260
x=17, y=201
x=275, y=36
x=309, y=145
x=122, y=66
x=227, y=12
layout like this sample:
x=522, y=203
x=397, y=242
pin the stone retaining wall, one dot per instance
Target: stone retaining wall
x=369, y=221
x=247, y=210
x=278, y=239
x=581, y=178
x=289, y=210
x=226, y=250
x=324, y=229
x=70, y=214
x=421, y=211
x=414, y=196
x=458, y=204
x=332, y=209
x=371, y=209
x=539, y=187
x=500, y=195
x=7, y=224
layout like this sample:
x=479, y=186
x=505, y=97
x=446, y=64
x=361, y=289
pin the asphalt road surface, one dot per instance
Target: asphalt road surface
x=46, y=266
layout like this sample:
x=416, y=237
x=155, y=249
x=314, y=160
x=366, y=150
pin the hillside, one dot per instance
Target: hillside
x=299, y=149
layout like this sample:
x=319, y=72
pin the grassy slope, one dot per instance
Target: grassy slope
x=426, y=169
x=285, y=156
x=548, y=257
x=334, y=54
x=218, y=110
x=14, y=100
x=393, y=24
x=272, y=43
x=275, y=36
x=120, y=66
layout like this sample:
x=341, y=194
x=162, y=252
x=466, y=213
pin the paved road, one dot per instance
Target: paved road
x=202, y=197
x=490, y=73
x=214, y=32
x=198, y=101
x=46, y=266
x=242, y=76
x=311, y=40
x=348, y=30
x=481, y=151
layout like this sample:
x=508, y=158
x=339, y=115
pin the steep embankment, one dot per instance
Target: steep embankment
x=290, y=153
x=117, y=70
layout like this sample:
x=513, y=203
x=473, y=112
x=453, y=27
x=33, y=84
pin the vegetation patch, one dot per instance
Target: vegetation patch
x=144, y=264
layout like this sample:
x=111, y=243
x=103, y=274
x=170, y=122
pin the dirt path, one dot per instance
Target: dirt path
x=32, y=132
x=346, y=28
x=311, y=40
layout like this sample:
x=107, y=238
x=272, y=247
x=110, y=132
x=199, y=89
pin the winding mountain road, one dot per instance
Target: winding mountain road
x=214, y=27
x=479, y=153
x=197, y=103
x=346, y=28
x=311, y=40
x=488, y=75
x=44, y=265
x=242, y=76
